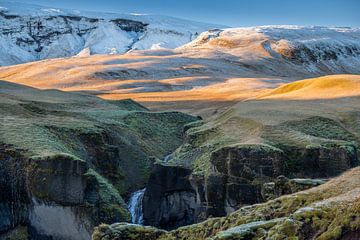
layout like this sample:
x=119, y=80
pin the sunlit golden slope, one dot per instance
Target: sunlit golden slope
x=327, y=87
x=201, y=79
x=161, y=80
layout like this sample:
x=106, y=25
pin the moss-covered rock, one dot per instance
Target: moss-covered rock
x=282, y=186
x=124, y=231
x=57, y=178
x=233, y=157
x=329, y=211
x=247, y=231
x=105, y=199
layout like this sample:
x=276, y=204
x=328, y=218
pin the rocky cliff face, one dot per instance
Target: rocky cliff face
x=73, y=157
x=227, y=171
x=30, y=32
x=240, y=176
x=169, y=201
x=329, y=211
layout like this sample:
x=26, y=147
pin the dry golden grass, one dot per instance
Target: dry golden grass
x=327, y=87
x=247, y=121
x=182, y=82
x=197, y=82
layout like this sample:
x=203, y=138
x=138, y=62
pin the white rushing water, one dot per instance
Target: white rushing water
x=167, y=158
x=135, y=206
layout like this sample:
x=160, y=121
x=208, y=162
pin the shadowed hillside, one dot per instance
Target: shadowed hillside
x=74, y=156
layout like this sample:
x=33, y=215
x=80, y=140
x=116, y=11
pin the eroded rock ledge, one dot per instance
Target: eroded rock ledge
x=241, y=175
x=330, y=211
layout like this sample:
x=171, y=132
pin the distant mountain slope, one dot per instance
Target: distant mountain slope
x=291, y=48
x=221, y=66
x=31, y=32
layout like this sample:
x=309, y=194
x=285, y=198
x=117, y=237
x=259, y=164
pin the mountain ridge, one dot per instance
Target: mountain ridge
x=32, y=32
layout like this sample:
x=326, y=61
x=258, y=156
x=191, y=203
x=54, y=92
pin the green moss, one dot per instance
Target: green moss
x=162, y=132
x=322, y=128
x=128, y=104
x=19, y=233
x=126, y=231
x=287, y=229
x=119, y=139
x=246, y=231
x=110, y=202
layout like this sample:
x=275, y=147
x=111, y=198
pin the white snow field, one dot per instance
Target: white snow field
x=31, y=32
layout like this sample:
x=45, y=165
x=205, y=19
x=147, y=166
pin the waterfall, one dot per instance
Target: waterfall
x=167, y=158
x=135, y=206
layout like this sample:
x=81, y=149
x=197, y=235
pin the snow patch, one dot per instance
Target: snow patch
x=52, y=10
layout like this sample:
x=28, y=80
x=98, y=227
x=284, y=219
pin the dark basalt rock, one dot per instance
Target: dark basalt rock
x=169, y=200
x=59, y=179
x=175, y=197
x=33, y=189
x=241, y=175
x=237, y=176
x=14, y=201
x=130, y=25
x=283, y=185
x=248, y=161
x=320, y=161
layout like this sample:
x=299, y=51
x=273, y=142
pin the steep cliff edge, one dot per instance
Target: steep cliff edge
x=67, y=160
x=330, y=211
x=244, y=156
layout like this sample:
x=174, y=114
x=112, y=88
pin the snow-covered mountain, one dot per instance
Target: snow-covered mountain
x=30, y=32
x=291, y=49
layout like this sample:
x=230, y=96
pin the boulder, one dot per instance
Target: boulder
x=283, y=185
x=125, y=231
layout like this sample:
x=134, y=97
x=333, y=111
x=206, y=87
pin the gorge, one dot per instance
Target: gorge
x=139, y=126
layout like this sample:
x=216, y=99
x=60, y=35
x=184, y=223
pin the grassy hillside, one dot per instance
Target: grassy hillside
x=316, y=138
x=74, y=149
x=285, y=123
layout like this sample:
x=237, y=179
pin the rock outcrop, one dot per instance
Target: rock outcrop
x=169, y=200
x=283, y=186
x=67, y=160
x=242, y=169
x=330, y=211
x=241, y=175
x=125, y=231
